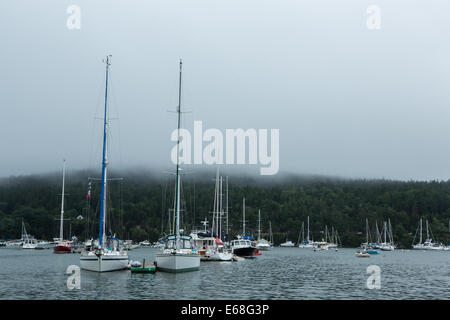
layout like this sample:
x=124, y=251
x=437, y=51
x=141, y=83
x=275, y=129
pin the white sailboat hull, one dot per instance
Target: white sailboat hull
x=287, y=245
x=177, y=262
x=263, y=245
x=29, y=246
x=104, y=262
x=217, y=256
x=422, y=247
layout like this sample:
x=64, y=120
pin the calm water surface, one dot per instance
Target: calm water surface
x=282, y=273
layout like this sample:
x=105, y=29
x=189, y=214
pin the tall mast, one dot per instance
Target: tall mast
x=385, y=226
x=420, y=230
x=307, y=237
x=428, y=234
x=243, y=214
x=24, y=231
x=259, y=224
x=177, y=211
x=221, y=208
x=227, y=209
x=216, y=203
x=61, y=225
x=378, y=231
x=104, y=159
x=391, y=237
x=367, y=231
x=270, y=233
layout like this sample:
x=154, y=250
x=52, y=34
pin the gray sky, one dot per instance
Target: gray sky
x=348, y=101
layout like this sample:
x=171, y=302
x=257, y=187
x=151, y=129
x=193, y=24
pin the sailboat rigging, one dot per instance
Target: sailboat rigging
x=62, y=246
x=178, y=254
x=106, y=253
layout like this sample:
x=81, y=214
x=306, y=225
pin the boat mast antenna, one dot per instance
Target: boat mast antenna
x=61, y=225
x=177, y=199
x=102, y=226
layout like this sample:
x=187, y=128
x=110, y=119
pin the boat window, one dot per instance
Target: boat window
x=186, y=244
x=170, y=244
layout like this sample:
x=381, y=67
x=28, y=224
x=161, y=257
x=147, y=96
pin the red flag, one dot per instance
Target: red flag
x=89, y=192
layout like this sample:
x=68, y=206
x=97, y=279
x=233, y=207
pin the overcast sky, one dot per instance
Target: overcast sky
x=349, y=101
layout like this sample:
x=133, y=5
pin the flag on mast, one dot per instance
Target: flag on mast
x=89, y=191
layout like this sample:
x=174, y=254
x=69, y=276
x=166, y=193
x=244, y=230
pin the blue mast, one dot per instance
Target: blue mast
x=104, y=160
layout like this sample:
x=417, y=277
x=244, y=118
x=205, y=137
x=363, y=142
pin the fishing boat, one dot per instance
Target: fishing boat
x=242, y=246
x=178, y=254
x=208, y=245
x=106, y=253
x=61, y=245
x=261, y=244
x=428, y=244
x=203, y=239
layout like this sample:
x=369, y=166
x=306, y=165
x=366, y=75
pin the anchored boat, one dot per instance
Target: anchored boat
x=61, y=245
x=178, y=254
x=261, y=244
x=106, y=253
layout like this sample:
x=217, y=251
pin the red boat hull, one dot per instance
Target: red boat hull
x=62, y=249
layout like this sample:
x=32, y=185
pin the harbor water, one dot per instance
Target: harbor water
x=281, y=273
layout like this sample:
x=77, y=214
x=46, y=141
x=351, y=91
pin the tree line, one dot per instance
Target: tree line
x=140, y=206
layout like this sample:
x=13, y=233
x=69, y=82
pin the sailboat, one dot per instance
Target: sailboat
x=62, y=246
x=334, y=243
x=106, y=253
x=323, y=245
x=261, y=244
x=178, y=254
x=367, y=246
x=306, y=243
x=387, y=246
x=28, y=241
x=288, y=243
x=428, y=244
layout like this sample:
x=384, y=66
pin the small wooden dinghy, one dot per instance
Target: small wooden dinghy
x=362, y=254
x=144, y=268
